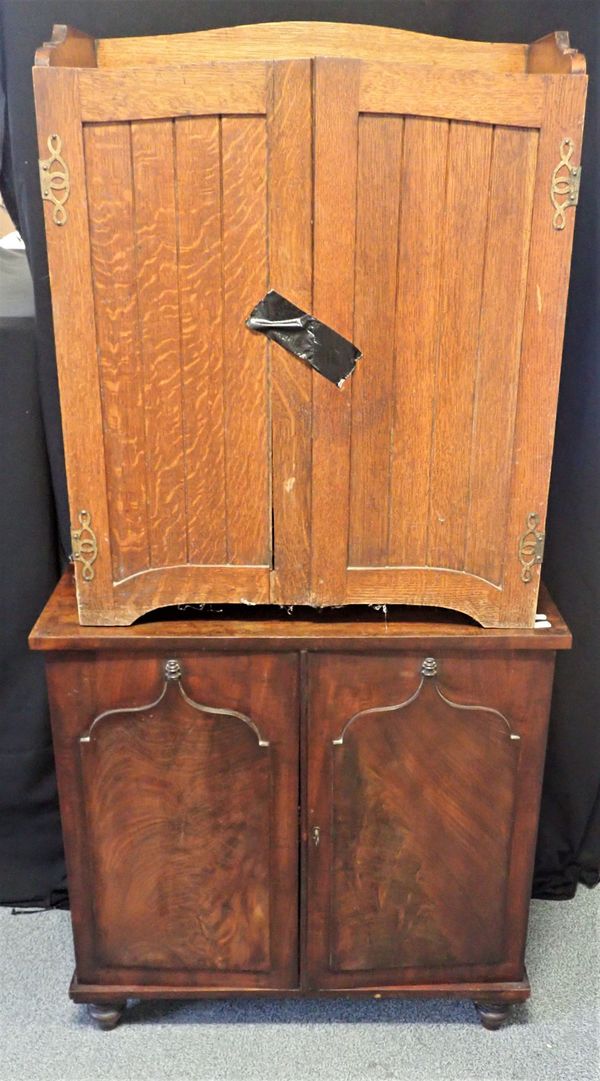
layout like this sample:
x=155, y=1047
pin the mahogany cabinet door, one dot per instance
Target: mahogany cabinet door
x=439, y=251
x=178, y=782
x=189, y=195
x=424, y=779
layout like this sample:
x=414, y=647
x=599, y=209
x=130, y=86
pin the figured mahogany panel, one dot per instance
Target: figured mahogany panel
x=416, y=793
x=173, y=783
x=183, y=833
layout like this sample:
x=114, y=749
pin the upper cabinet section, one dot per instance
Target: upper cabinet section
x=417, y=196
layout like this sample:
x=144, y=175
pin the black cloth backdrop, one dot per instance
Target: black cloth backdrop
x=569, y=840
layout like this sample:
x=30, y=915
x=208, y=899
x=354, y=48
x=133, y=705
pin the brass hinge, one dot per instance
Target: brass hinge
x=531, y=547
x=85, y=545
x=54, y=180
x=564, y=190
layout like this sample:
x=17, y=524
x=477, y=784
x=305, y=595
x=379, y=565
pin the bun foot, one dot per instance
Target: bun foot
x=493, y=1014
x=106, y=1014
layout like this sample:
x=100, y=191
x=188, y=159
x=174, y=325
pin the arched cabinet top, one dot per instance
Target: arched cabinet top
x=295, y=40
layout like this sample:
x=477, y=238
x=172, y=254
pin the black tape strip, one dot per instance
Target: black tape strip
x=305, y=337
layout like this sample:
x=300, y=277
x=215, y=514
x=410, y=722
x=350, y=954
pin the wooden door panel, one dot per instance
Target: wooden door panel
x=176, y=203
x=188, y=791
x=430, y=430
x=416, y=787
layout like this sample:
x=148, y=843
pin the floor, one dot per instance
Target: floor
x=554, y=1037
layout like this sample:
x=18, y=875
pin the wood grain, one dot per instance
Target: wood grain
x=464, y=245
x=162, y=92
x=170, y=801
x=114, y=275
x=478, y=96
x=512, y=180
x=67, y=48
x=285, y=40
x=375, y=289
x=554, y=53
x=266, y=628
x=403, y=800
x=290, y=455
x=396, y=898
x=158, y=301
x=69, y=259
x=543, y=330
x=201, y=793
x=335, y=180
x=247, y=421
x=416, y=336
x=198, y=200
x=290, y=274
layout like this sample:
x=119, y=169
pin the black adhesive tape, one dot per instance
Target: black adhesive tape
x=305, y=337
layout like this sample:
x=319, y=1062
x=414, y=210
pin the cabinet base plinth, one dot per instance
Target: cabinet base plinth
x=493, y=1001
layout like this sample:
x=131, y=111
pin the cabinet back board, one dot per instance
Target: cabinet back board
x=410, y=204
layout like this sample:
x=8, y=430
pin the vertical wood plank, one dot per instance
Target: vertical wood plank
x=58, y=110
x=156, y=229
x=290, y=273
x=244, y=233
x=336, y=138
x=469, y=153
x=199, y=225
x=112, y=241
x=543, y=329
x=377, y=216
x=507, y=247
x=416, y=336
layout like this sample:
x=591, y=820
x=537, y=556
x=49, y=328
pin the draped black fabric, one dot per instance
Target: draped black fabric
x=32, y=522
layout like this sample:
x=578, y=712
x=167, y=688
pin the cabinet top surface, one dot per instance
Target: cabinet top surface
x=268, y=627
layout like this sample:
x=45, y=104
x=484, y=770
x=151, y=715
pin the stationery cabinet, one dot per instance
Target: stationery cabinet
x=416, y=195
x=295, y=806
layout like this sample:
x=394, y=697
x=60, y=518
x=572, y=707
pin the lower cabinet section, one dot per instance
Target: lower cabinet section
x=295, y=812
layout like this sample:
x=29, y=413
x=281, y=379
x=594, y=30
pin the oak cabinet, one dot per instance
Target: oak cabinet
x=296, y=806
x=417, y=195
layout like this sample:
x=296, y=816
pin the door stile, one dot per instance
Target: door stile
x=289, y=140
x=58, y=111
x=541, y=351
x=336, y=97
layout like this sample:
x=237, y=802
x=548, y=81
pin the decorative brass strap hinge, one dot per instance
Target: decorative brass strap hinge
x=54, y=180
x=531, y=547
x=564, y=190
x=85, y=545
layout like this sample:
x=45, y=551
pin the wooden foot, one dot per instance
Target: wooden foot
x=493, y=1014
x=106, y=1014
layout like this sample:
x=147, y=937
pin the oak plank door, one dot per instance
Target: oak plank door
x=423, y=792
x=437, y=251
x=179, y=791
x=190, y=195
